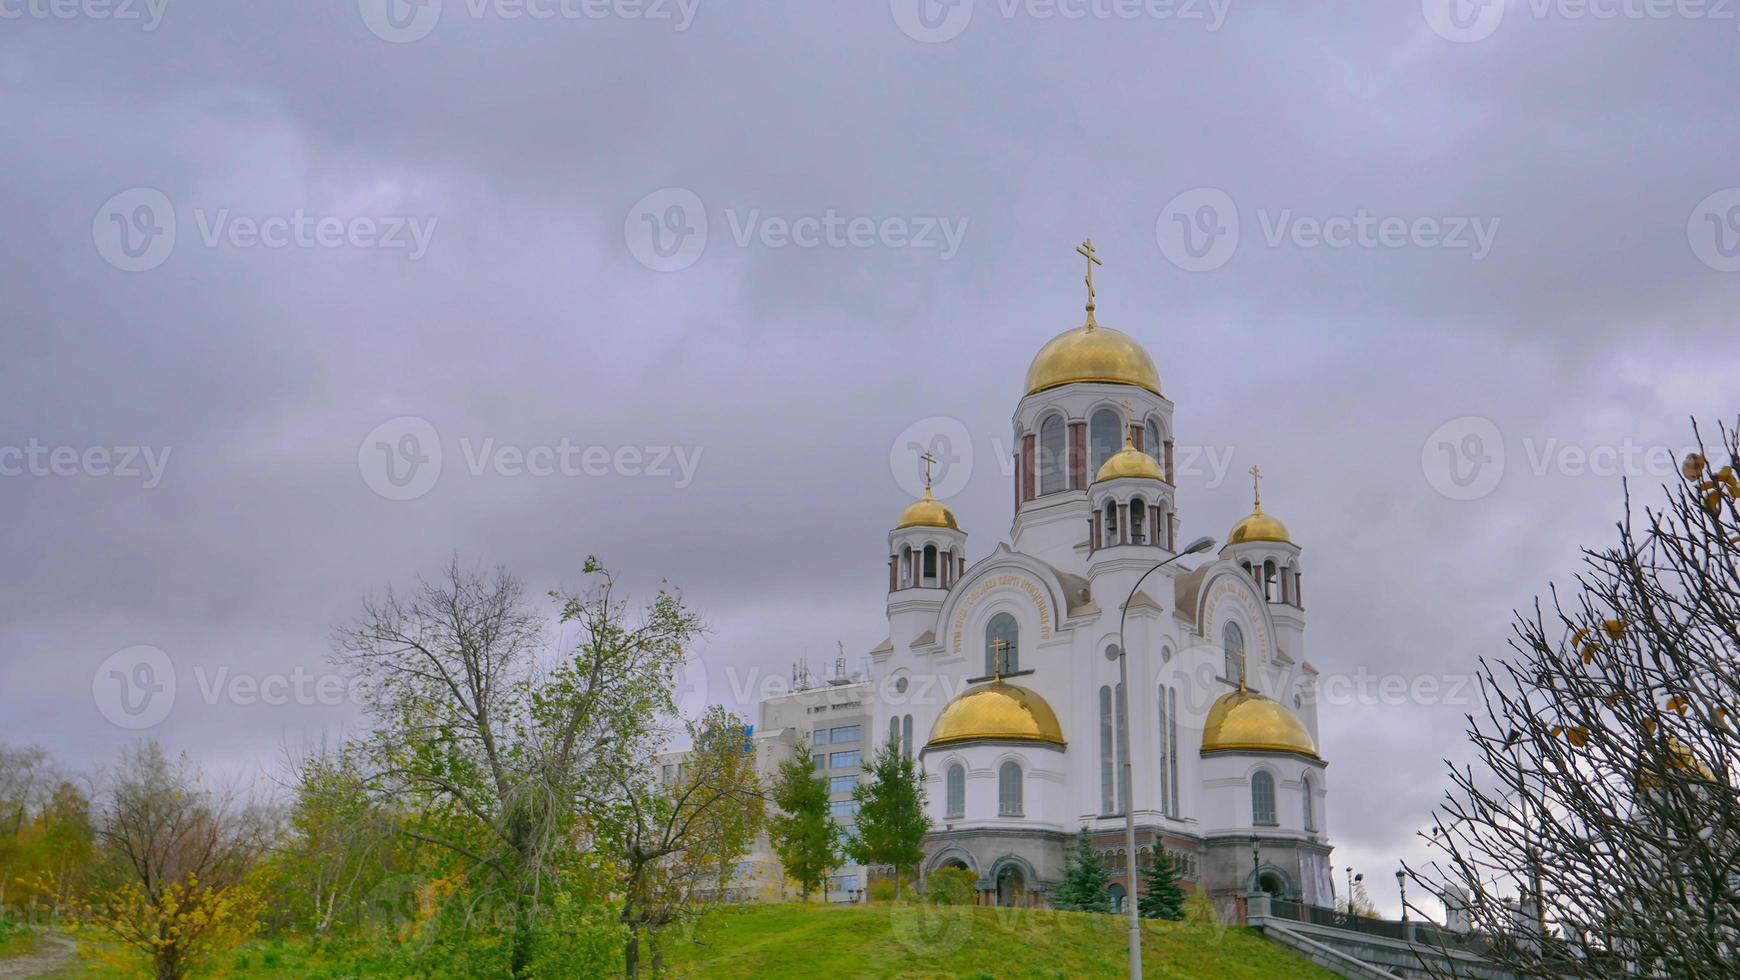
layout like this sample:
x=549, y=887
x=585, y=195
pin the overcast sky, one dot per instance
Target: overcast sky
x=259, y=263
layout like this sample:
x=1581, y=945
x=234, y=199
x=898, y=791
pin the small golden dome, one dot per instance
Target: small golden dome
x=1130, y=461
x=927, y=511
x=1258, y=527
x=997, y=711
x=1246, y=721
x=1092, y=353
x=1680, y=759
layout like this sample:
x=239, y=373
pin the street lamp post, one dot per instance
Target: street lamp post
x=1195, y=547
x=1402, y=883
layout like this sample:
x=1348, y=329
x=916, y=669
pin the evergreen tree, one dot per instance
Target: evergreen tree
x=804, y=833
x=1085, y=881
x=891, y=820
x=1162, y=898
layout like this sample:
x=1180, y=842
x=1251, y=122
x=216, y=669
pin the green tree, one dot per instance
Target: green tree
x=1162, y=898
x=804, y=833
x=891, y=821
x=1085, y=881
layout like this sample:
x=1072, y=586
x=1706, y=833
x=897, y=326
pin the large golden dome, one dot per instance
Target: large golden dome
x=997, y=711
x=1258, y=526
x=927, y=511
x=1092, y=353
x=1247, y=721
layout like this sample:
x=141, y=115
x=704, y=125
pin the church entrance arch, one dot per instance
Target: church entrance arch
x=1011, y=887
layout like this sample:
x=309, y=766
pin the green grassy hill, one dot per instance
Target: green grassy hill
x=767, y=941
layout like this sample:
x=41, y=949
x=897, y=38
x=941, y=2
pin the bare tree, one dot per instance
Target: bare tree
x=1598, y=832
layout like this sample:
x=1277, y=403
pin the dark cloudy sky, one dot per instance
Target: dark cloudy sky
x=1535, y=236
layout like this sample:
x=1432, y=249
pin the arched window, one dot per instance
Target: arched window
x=906, y=735
x=1009, y=789
x=1115, y=892
x=1152, y=444
x=894, y=730
x=1052, y=458
x=930, y=563
x=1003, y=636
x=1233, y=640
x=1104, y=438
x=1310, y=817
x=1108, y=754
x=1263, y=798
x=1269, y=580
x=1138, y=521
x=957, y=792
x=906, y=566
x=1111, y=523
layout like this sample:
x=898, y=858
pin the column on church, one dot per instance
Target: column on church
x=1027, y=445
x=1078, y=455
x=1170, y=477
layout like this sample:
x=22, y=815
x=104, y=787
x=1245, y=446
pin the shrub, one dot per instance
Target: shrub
x=951, y=886
x=882, y=890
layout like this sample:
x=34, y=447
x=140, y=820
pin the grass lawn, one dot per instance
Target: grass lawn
x=905, y=941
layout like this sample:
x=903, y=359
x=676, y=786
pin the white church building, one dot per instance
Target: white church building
x=1001, y=674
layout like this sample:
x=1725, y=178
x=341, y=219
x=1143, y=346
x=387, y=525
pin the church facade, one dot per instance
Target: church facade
x=1001, y=674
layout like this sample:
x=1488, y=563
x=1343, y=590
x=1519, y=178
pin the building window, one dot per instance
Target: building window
x=1118, y=704
x=1104, y=438
x=894, y=731
x=929, y=563
x=1152, y=443
x=1108, y=753
x=957, y=792
x=1138, y=521
x=1116, y=893
x=1111, y=536
x=845, y=733
x=1002, y=636
x=1172, y=733
x=1263, y=799
x=906, y=735
x=821, y=737
x=1051, y=455
x=669, y=774
x=1233, y=640
x=843, y=760
x=1310, y=817
x=1009, y=790
x=843, y=809
x=842, y=784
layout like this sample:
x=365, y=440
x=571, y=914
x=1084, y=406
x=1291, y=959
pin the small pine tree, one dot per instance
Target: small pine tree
x=803, y=833
x=1162, y=898
x=891, y=820
x=1085, y=881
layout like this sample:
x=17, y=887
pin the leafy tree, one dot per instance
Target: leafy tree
x=505, y=750
x=1597, y=832
x=1162, y=897
x=174, y=884
x=891, y=820
x=804, y=833
x=673, y=840
x=1085, y=880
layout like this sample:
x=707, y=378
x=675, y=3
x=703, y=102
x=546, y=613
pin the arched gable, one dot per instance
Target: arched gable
x=1003, y=574
x=1228, y=594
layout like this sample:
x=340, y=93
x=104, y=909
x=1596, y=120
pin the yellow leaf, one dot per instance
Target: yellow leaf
x=1692, y=467
x=1615, y=627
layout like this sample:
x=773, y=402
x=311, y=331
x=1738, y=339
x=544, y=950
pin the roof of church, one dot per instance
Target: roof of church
x=1185, y=589
x=997, y=711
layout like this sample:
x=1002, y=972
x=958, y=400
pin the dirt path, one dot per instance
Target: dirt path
x=52, y=952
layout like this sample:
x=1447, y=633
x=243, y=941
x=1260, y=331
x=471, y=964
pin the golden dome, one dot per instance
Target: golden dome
x=997, y=711
x=927, y=512
x=1258, y=527
x=1246, y=721
x=1680, y=759
x=1130, y=461
x=1092, y=353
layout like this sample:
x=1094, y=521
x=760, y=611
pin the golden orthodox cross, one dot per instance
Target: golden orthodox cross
x=1086, y=250
x=929, y=461
x=998, y=645
x=1257, y=486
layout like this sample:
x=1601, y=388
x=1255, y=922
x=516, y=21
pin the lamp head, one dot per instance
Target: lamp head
x=1200, y=545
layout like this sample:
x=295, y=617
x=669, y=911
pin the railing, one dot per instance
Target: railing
x=1424, y=933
